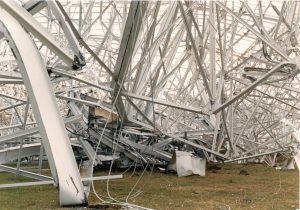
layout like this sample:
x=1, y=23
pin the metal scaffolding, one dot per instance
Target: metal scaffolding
x=136, y=81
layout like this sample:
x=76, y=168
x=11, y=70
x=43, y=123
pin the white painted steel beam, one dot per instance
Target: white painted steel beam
x=255, y=156
x=11, y=153
x=26, y=173
x=31, y=25
x=133, y=24
x=17, y=135
x=27, y=184
x=71, y=38
x=51, y=126
x=196, y=145
x=10, y=75
x=82, y=42
x=34, y=6
x=275, y=47
x=126, y=94
x=255, y=84
x=235, y=48
x=11, y=81
x=195, y=50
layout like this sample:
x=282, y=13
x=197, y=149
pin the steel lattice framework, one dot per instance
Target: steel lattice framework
x=134, y=81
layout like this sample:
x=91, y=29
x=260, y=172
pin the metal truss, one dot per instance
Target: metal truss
x=136, y=81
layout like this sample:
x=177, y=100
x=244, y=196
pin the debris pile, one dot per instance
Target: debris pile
x=129, y=143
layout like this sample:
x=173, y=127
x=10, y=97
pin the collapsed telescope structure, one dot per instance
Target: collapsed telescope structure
x=134, y=82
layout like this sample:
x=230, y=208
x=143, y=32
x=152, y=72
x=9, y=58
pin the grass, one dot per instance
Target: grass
x=263, y=188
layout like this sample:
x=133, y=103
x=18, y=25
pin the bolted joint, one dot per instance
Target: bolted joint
x=79, y=62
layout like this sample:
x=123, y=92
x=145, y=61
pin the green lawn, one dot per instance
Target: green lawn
x=263, y=188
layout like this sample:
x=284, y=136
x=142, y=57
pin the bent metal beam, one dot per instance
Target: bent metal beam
x=46, y=112
x=33, y=26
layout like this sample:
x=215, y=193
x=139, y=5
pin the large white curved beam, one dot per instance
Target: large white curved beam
x=55, y=140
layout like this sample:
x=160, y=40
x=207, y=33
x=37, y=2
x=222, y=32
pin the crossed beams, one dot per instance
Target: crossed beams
x=215, y=77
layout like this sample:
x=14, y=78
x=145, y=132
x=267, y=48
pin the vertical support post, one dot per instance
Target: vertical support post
x=22, y=140
x=132, y=27
x=41, y=158
x=212, y=49
x=195, y=50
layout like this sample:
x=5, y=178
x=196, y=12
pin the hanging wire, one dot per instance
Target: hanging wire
x=115, y=141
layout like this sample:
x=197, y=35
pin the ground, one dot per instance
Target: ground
x=227, y=188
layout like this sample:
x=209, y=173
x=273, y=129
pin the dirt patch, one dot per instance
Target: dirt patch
x=244, y=172
x=213, y=167
x=105, y=207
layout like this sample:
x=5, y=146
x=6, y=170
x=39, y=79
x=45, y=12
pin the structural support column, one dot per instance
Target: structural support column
x=55, y=140
x=212, y=49
x=195, y=50
x=130, y=34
